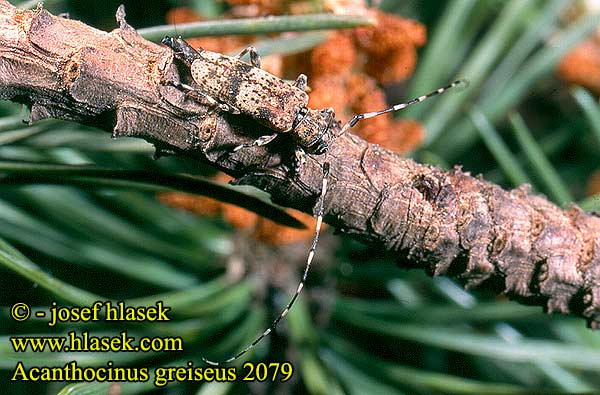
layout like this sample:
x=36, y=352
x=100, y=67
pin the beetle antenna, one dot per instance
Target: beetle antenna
x=359, y=117
x=311, y=254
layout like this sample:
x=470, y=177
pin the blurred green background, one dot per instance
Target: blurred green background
x=362, y=326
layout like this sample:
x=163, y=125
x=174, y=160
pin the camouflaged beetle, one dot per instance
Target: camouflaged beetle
x=238, y=87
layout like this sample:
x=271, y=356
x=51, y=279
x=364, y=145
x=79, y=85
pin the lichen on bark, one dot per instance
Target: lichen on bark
x=448, y=223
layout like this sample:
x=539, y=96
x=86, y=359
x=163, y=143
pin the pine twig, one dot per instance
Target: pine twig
x=447, y=223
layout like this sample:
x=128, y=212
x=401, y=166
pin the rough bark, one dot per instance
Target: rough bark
x=448, y=223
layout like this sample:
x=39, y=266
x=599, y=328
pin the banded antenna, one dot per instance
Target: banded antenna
x=359, y=117
x=311, y=254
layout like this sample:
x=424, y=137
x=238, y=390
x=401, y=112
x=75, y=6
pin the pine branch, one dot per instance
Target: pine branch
x=447, y=223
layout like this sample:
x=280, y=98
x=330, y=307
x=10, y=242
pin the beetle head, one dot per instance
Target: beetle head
x=312, y=129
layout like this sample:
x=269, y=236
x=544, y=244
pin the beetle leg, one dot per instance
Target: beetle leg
x=301, y=82
x=209, y=100
x=254, y=56
x=262, y=140
x=182, y=49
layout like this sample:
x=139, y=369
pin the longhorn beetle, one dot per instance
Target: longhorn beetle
x=235, y=86
x=238, y=87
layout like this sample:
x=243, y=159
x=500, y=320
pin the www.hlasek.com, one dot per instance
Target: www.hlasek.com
x=83, y=341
